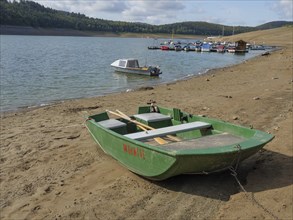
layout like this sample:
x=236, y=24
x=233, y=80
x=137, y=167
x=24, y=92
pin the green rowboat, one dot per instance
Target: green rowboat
x=170, y=142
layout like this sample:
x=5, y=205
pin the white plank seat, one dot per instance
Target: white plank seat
x=112, y=123
x=152, y=117
x=168, y=130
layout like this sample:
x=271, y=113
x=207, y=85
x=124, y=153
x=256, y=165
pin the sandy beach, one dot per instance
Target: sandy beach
x=52, y=169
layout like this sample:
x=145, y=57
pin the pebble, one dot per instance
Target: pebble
x=256, y=98
x=235, y=117
x=276, y=128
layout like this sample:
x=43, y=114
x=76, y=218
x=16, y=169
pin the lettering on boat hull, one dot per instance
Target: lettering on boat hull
x=134, y=151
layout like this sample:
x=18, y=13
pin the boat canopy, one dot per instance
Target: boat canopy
x=126, y=63
x=132, y=63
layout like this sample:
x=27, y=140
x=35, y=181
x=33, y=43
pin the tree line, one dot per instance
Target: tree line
x=29, y=13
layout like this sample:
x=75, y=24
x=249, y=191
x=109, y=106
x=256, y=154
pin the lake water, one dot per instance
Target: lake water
x=38, y=70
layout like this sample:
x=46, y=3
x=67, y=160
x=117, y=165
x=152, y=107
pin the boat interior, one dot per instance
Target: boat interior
x=170, y=128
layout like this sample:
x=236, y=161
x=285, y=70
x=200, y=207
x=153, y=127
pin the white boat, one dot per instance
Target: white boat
x=231, y=49
x=132, y=66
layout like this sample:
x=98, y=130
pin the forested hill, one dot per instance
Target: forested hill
x=28, y=13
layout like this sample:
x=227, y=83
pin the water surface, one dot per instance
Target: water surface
x=38, y=70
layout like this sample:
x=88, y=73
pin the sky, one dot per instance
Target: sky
x=226, y=12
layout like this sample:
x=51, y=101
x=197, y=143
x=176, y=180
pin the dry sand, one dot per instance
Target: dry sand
x=52, y=169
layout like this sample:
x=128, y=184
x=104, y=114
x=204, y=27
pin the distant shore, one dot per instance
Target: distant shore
x=26, y=30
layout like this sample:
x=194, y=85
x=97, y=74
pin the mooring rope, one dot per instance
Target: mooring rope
x=233, y=170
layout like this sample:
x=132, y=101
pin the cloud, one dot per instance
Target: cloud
x=153, y=11
x=110, y=6
x=149, y=11
x=284, y=8
x=171, y=11
x=287, y=8
x=86, y=7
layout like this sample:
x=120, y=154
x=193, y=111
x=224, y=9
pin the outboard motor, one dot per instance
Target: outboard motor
x=155, y=71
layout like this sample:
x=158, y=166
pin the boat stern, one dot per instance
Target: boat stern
x=155, y=71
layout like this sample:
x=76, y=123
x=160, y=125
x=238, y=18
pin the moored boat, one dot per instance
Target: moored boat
x=190, y=47
x=206, y=47
x=158, y=143
x=198, y=48
x=132, y=66
x=165, y=47
x=177, y=47
x=220, y=48
x=231, y=49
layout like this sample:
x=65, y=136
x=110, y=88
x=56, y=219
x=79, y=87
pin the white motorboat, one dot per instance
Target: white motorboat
x=132, y=66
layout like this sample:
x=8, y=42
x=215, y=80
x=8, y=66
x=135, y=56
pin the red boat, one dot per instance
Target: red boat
x=164, y=47
x=220, y=48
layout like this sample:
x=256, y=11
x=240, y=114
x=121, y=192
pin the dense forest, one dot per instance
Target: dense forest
x=29, y=13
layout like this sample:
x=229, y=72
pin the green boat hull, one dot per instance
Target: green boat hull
x=159, y=162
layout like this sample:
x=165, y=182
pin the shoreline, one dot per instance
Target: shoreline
x=30, y=31
x=52, y=169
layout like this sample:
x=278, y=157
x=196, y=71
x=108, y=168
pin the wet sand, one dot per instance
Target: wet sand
x=52, y=169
